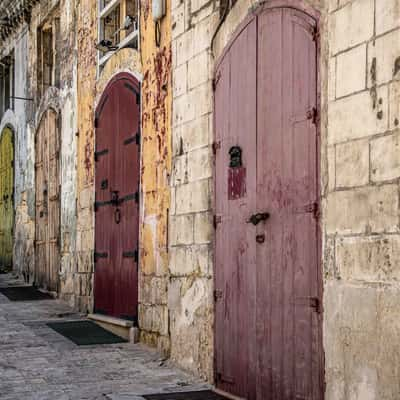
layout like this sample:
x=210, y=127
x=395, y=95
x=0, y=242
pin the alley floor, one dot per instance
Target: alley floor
x=38, y=363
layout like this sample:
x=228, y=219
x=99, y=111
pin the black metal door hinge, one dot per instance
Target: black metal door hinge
x=215, y=81
x=98, y=154
x=217, y=294
x=315, y=304
x=131, y=254
x=316, y=34
x=313, y=208
x=216, y=146
x=216, y=220
x=313, y=115
x=99, y=255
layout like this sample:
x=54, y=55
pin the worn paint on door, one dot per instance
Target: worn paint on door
x=47, y=226
x=268, y=321
x=6, y=197
x=117, y=160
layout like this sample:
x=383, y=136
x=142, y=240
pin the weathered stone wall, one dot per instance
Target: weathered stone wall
x=63, y=100
x=156, y=170
x=81, y=277
x=361, y=213
x=190, y=288
x=359, y=75
x=23, y=250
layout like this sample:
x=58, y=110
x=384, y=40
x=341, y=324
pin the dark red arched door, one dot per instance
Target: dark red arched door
x=268, y=316
x=117, y=160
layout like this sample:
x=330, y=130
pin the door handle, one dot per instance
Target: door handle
x=255, y=219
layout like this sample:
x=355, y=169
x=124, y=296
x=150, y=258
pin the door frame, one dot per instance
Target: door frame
x=13, y=133
x=299, y=5
x=136, y=79
x=41, y=116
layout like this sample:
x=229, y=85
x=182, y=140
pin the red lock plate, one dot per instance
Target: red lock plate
x=236, y=183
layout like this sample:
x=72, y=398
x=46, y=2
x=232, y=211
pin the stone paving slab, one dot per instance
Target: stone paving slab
x=36, y=363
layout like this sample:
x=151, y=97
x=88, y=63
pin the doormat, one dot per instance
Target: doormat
x=24, y=293
x=199, y=395
x=85, y=333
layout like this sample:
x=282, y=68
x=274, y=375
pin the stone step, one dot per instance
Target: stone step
x=120, y=327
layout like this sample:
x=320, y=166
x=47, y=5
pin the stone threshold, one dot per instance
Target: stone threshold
x=120, y=327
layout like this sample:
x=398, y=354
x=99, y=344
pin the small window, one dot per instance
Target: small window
x=48, y=63
x=7, y=84
x=118, y=27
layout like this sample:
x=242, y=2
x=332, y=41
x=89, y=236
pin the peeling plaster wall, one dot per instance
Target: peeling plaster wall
x=63, y=100
x=23, y=250
x=156, y=168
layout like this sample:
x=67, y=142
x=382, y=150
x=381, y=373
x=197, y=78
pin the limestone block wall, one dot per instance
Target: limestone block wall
x=361, y=212
x=190, y=288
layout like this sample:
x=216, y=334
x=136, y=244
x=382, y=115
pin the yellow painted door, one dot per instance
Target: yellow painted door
x=6, y=197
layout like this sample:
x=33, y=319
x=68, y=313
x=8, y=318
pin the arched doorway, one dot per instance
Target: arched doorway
x=6, y=197
x=117, y=173
x=47, y=216
x=268, y=279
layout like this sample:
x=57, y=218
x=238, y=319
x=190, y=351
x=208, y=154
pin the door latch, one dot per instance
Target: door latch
x=255, y=219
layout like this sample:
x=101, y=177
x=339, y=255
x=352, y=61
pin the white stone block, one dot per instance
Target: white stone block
x=351, y=71
x=352, y=163
x=385, y=158
x=352, y=25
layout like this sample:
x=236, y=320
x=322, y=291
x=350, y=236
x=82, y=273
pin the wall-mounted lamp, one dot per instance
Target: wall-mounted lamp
x=106, y=45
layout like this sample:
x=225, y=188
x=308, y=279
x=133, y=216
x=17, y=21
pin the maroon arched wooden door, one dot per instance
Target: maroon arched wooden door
x=117, y=159
x=267, y=287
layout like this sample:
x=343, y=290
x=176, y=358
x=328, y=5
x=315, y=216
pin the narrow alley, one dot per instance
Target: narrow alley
x=37, y=363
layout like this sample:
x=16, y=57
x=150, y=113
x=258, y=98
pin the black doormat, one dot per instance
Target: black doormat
x=202, y=395
x=24, y=293
x=85, y=333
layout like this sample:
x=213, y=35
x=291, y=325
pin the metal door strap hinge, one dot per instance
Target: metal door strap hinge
x=131, y=254
x=215, y=81
x=315, y=34
x=316, y=304
x=216, y=220
x=314, y=209
x=217, y=294
x=313, y=114
x=216, y=146
x=99, y=255
x=98, y=154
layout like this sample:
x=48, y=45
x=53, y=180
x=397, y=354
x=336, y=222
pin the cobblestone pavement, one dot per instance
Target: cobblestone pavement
x=38, y=363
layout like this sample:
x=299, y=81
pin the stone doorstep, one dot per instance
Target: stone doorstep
x=117, y=326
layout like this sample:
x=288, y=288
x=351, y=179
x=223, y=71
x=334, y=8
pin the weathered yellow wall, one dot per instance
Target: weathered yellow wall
x=156, y=167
